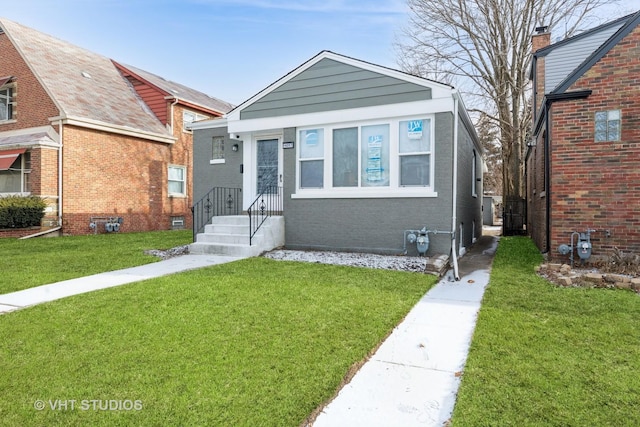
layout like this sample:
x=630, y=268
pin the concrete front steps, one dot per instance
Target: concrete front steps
x=229, y=235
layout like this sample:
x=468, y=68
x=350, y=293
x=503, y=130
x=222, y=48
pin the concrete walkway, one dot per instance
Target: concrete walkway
x=413, y=378
x=54, y=291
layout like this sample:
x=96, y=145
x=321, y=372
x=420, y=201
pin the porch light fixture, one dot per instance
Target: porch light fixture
x=234, y=147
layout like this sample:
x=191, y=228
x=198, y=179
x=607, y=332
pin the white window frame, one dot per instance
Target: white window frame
x=609, y=119
x=184, y=181
x=6, y=94
x=196, y=117
x=393, y=190
x=301, y=160
x=418, y=153
x=221, y=158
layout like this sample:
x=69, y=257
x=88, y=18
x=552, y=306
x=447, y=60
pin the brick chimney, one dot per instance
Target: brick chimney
x=541, y=39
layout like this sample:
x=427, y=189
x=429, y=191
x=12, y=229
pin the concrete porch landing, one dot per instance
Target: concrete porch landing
x=229, y=235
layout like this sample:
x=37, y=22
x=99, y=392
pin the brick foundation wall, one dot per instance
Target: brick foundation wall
x=597, y=184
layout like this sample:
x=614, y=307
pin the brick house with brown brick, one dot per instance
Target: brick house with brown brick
x=583, y=161
x=95, y=138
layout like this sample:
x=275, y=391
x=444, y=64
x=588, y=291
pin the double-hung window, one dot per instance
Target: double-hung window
x=177, y=180
x=312, y=158
x=415, y=152
x=6, y=103
x=607, y=126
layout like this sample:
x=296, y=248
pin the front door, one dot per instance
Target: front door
x=267, y=166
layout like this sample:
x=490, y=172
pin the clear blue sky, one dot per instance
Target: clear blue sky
x=230, y=49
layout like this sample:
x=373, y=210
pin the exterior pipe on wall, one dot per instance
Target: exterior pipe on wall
x=454, y=206
x=60, y=127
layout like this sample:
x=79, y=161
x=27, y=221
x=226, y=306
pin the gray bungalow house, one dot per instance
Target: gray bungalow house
x=358, y=157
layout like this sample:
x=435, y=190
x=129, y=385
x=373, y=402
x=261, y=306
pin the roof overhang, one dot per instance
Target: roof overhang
x=108, y=127
x=208, y=124
x=39, y=137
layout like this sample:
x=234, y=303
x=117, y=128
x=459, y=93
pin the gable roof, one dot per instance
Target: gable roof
x=180, y=92
x=88, y=88
x=326, y=94
x=631, y=23
x=577, y=54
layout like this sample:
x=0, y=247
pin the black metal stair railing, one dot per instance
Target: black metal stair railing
x=218, y=201
x=265, y=205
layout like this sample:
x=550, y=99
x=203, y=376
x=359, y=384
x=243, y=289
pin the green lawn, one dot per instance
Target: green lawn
x=255, y=342
x=548, y=356
x=33, y=262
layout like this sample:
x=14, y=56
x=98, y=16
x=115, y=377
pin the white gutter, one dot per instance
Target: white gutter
x=454, y=207
x=122, y=130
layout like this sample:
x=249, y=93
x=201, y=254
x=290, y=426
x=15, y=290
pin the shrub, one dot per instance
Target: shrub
x=21, y=211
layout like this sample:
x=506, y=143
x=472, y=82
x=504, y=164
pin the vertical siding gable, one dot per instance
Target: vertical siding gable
x=332, y=85
x=152, y=97
x=563, y=60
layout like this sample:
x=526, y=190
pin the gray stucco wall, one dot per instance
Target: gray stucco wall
x=469, y=208
x=206, y=175
x=331, y=85
x=372, y=225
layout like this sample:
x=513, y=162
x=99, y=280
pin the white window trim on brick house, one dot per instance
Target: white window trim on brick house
x=175, y=179
x=7, y=104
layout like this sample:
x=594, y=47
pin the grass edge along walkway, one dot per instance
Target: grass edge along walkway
x=40, y=261
x=542, y=355
x=252, y=342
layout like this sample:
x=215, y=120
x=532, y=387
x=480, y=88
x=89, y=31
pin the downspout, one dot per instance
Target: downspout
x=547, y=178
x=550, y=99
x=60, y=127
x=454, y=206
x=176, y=100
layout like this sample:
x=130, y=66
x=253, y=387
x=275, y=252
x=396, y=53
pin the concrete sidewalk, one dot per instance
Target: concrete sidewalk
x=413, y=378
x=54, y=291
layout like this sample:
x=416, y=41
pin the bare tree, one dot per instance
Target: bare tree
x=483, y=48
x=488, y=135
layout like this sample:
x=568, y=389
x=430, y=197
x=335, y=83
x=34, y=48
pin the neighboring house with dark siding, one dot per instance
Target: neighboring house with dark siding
x=364, y=155
x=583, y=162
x=98, y=140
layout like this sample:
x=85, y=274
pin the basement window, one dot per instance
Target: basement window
x=607, y=126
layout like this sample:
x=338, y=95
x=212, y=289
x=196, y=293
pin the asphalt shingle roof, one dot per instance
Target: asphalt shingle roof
x=87, y=85
x=183, y=92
